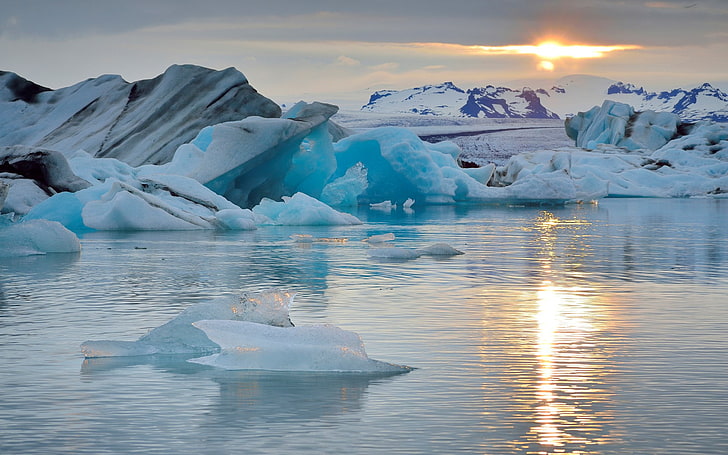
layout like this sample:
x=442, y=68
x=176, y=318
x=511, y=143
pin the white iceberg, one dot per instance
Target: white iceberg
x=250, y=346
x=380, y=238
x=302, y=210
x=395, y=253
x=178, y=336
x=253, y=331
x=632, y=155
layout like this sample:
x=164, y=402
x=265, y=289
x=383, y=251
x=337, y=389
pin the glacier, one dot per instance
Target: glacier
x=249, y=332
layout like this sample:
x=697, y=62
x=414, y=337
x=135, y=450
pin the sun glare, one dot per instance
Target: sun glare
x=549, y=51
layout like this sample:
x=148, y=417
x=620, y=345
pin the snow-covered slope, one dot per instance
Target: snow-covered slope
x=448, y=99
x=566, y=97
x=442, y=99
x=578, y=93
x=139, y=122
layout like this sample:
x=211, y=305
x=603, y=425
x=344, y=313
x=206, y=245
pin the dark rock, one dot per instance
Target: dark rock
x=48, y=168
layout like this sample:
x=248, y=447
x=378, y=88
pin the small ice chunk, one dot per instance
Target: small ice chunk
x=394, y=253
x=31, y=237
x=380, y=238
x=440, y=249
x=408, y=203
x=302, y=210
x=384, y=205
x=302, y=238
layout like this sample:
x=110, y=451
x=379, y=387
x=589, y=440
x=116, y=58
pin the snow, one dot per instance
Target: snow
x=250, y=332
x=565, y=96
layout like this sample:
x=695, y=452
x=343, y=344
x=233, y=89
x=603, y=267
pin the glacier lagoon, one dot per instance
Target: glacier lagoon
x=578, y=329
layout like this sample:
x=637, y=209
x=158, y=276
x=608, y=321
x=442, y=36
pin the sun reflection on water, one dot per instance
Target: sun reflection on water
x=568, y=393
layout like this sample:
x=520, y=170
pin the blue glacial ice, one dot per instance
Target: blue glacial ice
x=34, y=237
x=250, y=332
x=261, y=171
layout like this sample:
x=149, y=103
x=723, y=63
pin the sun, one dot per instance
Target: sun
x=546, y=65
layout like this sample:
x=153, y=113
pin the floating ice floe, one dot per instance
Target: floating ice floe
x=249, y=346
x=302, y=210
x=178, y=336
x=253, y=331
x=380, y=238
x=404, y=254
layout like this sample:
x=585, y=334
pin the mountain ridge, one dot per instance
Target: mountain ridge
x=565, y=98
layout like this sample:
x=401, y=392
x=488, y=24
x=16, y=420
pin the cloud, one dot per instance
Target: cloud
x=343, y=60
x=670, y=5
x=389, y=66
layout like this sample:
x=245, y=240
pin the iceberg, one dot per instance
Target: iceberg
x=253, y=331
x=32, y=237
x=141, y=122
x=618, y=124
x=248, y=160
x=320, y=347
x=302, y=210
x=379, y=238
x=33, y=174
x=395, y=253
x=178, y=336
x=300, y=169
x=628, y=154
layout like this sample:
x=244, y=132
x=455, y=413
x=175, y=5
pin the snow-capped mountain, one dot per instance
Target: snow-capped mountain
x=566, y=97
x=450, y=100
x=144, y=120
x=442, y=99
x=502, y=102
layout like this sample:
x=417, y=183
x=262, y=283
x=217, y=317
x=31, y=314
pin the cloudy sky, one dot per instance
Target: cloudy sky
x=341, y=51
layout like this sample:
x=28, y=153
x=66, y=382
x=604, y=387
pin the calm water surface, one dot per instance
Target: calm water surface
x=590, y=329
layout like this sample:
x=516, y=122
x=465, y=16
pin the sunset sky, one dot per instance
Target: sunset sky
x=338, y=50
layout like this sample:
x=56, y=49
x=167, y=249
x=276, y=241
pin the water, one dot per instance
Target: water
x=584, y=330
